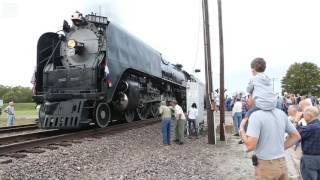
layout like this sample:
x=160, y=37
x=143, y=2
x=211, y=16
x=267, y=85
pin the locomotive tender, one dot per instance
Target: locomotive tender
x=95, y=71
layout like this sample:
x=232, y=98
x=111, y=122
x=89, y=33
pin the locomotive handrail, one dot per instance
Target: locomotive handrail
x=44, y=60
x=76, y=92
x=54, y=50
x=44, y=49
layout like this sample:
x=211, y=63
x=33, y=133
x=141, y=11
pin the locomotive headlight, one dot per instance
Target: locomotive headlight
x=71, y=44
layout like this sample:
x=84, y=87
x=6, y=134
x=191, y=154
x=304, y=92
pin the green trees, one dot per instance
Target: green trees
x=18, y=93
x=303, y=79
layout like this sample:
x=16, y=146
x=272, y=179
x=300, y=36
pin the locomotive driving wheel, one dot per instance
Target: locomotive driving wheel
x=103, y=115
x=129, y=115
x=143, y=111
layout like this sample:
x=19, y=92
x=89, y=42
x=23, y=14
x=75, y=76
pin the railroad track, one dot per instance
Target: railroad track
x=26, y=142
x=18, y=128
x=31, y=136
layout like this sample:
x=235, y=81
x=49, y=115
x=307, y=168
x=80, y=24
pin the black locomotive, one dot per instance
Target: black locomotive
x=94, y=71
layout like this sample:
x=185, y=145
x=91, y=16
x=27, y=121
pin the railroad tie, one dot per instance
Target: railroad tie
x=16, y=155
x=51, y=147
x=6, y=161
x=61, y=144
x=33, y=151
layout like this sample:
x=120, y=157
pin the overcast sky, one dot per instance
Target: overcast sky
x=282, y=32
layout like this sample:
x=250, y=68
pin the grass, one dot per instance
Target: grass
x=3, y=122
x=23, y=106
x=25, y=113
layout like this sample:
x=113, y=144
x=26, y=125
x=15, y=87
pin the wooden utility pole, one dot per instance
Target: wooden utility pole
x=222, y=115
x=208, y=72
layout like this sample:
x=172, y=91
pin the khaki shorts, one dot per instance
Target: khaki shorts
x=271, y=169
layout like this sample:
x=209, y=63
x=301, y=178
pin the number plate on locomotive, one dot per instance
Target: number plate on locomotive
x=71, y=52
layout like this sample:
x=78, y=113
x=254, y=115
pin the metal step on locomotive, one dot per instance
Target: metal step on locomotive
x=94, y=71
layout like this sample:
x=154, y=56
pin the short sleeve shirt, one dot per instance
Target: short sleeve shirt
x=165, y=112
x=10, y=110
x=269, y=127
x=177, y=111
x=193, y=113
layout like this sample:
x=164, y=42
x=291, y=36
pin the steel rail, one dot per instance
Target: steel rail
x=17, y=128
x=28, y=136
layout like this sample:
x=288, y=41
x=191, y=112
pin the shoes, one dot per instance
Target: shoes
x=180, y=143
x=177, y=140
x=189, y=137
x=240, y=142
x=236, y=134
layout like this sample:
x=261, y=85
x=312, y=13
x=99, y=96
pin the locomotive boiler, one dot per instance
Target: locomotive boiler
x=94, y=72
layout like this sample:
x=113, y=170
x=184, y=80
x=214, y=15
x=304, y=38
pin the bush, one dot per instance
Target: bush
x=18, y=94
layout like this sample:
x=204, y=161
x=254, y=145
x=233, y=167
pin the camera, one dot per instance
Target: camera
x=254, y=160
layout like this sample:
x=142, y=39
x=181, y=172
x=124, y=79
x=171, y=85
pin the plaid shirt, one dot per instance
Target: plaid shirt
x=310, y=138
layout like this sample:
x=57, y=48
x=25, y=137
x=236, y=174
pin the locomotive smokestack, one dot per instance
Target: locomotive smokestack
x=66, y=26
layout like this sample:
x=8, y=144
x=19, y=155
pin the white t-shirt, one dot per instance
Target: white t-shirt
x=193, y=113
x=177, y=111
x=237, y=107
x=289, y=101
x=302, y=122
x=9, y=110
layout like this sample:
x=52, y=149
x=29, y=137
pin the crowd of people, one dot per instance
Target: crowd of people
x=175, y=112
x=282, y=103
x=289, y=104
x=268, y=126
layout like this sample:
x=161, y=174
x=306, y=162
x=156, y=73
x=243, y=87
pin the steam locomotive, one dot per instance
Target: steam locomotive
x=94, y=72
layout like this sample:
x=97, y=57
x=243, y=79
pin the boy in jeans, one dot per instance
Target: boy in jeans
x=260, y=88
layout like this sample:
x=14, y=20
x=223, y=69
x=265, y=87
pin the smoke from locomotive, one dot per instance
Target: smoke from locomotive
x=94, y=71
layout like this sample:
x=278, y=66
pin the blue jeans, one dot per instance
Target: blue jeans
x=192, y=125
x=10, y=120
x=310, y=167
x=165, y=126
x=237, y=117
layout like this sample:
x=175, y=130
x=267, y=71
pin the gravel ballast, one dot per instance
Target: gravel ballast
x=135, y=154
